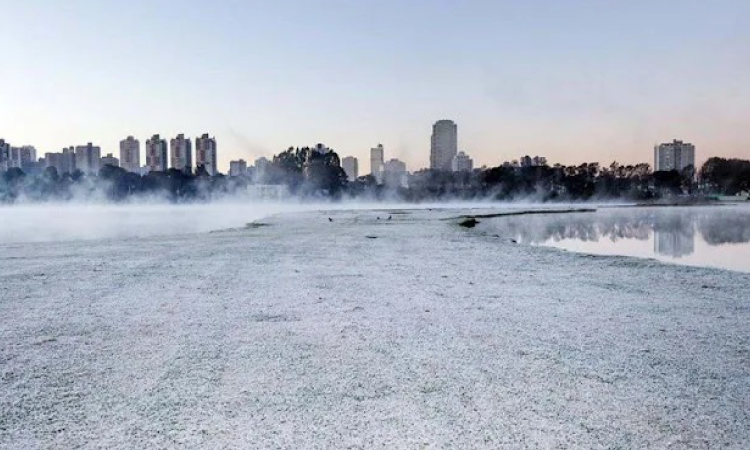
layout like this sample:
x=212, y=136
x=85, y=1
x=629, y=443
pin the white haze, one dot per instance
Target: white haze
x=49, y=222
x=65, y=221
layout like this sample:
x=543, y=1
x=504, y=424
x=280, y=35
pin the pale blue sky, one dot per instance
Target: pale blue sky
x=571, y=80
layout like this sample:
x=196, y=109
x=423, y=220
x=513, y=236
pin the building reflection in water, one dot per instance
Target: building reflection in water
x=674, y=230
x=674, y=234
x=674, y=244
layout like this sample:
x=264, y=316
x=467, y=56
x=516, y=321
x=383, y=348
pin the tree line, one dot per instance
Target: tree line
x=311, y=172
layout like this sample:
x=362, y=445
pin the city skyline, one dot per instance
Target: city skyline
x=444, y=155
x=578, y=81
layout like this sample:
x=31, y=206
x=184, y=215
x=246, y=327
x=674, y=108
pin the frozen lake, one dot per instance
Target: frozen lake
x=344, y=329
x=70, y=221
x=710, y=236
x=89, y=221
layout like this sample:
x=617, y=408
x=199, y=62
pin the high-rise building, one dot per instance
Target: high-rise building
x=130, y=154
x=4, y=155
x=28, y=154
x=88, y=158
x=675, y=155
x=237, y=168
x=53, y=160
x=376, y=162
x=462, y=163
x=351, y=167
x=205, y=154
x=63, y=162
x=69, y=158
x=14, y=157
x=156, y=154
x=532, y=161
x=443, y=145
x=262, y=165
x=22, y=157
x=110, y=160
x=182, y=154
x=394, y=173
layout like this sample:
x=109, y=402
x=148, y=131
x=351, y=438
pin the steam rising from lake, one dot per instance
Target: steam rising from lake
x=44, y=222
x=75, y=221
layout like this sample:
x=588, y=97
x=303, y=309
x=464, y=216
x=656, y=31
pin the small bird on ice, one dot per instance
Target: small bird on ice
x=330, y=220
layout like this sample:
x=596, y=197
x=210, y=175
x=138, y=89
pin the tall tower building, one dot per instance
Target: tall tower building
x=262, y=165
x=156, y=154
x=394, y=173
x=443, y=145
x=205, y=154
x=21, y=157
x=63, y=162
x=675, y=155
x=351, y=167
x=376, y=162
x=69, y=160
x=53, y=160
x=88, y=158
x=130, y=154
x=4, y=155
x=182, y=154
x=28, y=154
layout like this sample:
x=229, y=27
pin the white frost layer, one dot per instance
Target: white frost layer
x=365, y=333
x=49, y=222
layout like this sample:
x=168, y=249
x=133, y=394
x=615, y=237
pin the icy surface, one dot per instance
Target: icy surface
x=51, y=222
x=341, y=330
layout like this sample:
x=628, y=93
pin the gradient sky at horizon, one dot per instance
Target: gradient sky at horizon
x=571, y=80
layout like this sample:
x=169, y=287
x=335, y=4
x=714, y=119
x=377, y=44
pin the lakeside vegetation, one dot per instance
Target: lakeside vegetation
x=309, y=173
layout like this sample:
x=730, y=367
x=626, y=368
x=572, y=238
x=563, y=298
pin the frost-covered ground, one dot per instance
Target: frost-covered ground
x=365, y=333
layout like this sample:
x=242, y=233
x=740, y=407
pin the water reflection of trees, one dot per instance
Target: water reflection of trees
x=724, y=227
x=673, y=228
x=537, y=229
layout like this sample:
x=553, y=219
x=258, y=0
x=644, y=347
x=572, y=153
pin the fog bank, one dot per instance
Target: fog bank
x=49, y=222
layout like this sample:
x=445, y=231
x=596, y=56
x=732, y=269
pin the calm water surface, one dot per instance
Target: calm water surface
x=710, y=236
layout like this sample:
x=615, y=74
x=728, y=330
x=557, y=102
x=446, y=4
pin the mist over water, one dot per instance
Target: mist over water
x=59, y=222
x=49, y=222
x=717, y=236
